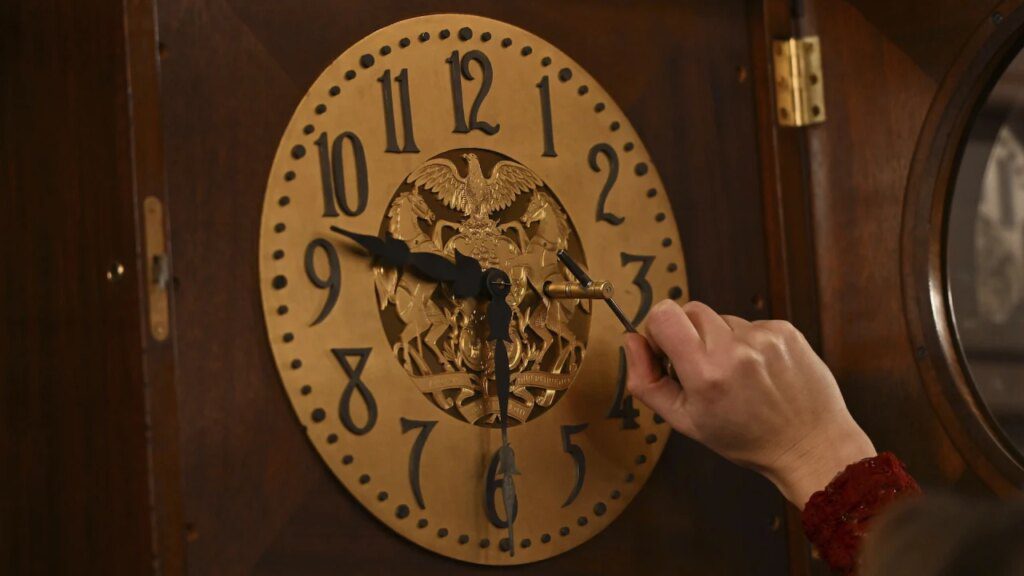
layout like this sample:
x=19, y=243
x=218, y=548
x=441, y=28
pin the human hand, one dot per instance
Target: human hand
x=754, y=392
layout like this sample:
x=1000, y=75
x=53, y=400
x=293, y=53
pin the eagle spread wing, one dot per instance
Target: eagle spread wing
x=441, y=176
x=508, y=179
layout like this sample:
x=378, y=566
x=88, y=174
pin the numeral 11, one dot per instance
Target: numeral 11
x=389, y=112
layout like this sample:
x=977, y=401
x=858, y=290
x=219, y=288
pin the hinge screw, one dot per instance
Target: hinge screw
x=115, y=272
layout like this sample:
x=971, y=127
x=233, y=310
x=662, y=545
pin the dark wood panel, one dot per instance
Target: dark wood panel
x=256, y=497
x=860, y=160
x=74, y=493
x=788, y=223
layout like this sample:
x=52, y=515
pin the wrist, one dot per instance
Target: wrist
x=812, y=464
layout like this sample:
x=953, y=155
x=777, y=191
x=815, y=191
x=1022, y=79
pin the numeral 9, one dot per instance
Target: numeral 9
x=332, y=283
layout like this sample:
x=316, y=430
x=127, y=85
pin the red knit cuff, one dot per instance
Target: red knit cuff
x=836, y=518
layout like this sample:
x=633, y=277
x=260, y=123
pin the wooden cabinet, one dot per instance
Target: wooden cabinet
x=126, y=453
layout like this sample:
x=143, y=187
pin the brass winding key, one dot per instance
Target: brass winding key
x=600, y=291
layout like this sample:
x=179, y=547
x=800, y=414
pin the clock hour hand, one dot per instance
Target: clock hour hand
x=464, y=274
x=499, y=316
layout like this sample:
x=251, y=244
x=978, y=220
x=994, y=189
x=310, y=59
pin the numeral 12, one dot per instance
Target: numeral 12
x=459, y=69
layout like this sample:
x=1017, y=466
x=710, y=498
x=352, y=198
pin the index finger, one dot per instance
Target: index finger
x=671, y=332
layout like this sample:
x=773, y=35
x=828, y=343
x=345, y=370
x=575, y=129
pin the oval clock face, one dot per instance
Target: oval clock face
x=460, y=135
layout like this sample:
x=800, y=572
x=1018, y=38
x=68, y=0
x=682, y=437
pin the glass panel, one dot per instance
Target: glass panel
x=985, y=253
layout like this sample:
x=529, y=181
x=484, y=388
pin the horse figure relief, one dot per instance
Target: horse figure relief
x=550, y=319
x=509, y=220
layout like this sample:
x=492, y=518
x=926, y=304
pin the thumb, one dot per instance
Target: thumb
x=646, y=380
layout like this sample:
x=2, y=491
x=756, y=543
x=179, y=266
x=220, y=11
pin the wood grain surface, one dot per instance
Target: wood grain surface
x=256, y=496
x=124, y=456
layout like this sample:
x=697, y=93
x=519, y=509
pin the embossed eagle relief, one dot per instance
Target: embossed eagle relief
x=510, y=220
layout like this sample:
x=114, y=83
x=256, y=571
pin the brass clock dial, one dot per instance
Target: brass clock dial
x=461, y=134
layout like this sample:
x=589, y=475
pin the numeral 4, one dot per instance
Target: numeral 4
x=622, y=406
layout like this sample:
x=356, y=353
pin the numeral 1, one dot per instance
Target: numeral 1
x=545, y=114
x=332, y=174
x=459, y=69
x=389, y=112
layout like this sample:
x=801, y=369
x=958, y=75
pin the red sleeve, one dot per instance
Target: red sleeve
x=836, y=518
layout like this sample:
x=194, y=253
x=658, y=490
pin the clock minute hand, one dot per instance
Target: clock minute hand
x=465, y=274
x=499, y=316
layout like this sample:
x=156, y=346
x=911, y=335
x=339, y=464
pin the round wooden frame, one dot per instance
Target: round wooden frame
x=933, y=172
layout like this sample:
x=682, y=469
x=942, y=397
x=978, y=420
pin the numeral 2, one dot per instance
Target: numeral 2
x=355, y=384
x=426, y=427
x=579, y=459
x=389, y=112
x=622, y=406
x=332, y=174
x=608, y=152
x=459, y=69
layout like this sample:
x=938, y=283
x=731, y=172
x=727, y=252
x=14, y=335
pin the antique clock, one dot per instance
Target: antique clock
x=411, y=228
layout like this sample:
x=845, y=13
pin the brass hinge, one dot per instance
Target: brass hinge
x=799, y=84
x=158, y=273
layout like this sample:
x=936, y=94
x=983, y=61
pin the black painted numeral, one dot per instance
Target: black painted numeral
x=608, y=152
x=402, y=80
x=332, y=283
x=579, y=459
x=640, y=281
x=492, y=494
x=622, y=406
x=355, y=384
x=332, y=174
x=459, y=68
x=545, y=113
x=425, y=427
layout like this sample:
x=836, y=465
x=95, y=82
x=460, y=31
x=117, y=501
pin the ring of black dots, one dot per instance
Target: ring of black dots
x=367, y=61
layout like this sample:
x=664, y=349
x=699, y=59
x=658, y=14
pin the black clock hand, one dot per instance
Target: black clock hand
x=465, y=274
x=499, y=316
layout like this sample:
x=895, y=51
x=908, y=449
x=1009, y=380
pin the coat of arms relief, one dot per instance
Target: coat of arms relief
x=487, y=206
